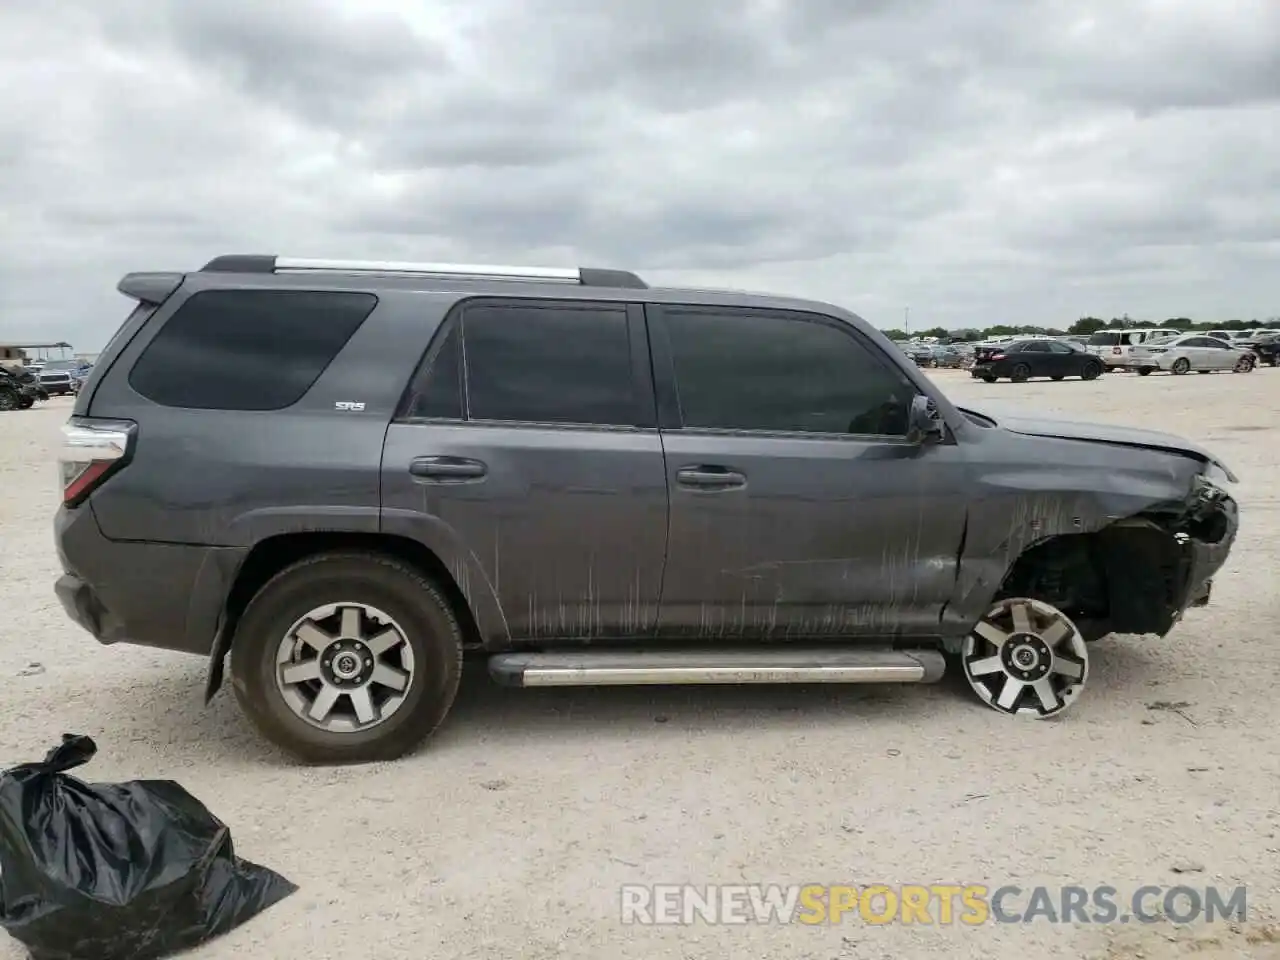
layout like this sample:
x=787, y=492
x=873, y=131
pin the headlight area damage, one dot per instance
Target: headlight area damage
x=1108, y=563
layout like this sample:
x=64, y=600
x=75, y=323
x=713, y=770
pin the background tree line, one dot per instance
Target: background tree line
x=1083, y=327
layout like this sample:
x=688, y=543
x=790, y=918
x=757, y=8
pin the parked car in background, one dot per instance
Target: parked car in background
x=1267, y=348
x=948, y=357
x=1035, y=357
x=1112, y=347
x=921, y=353
x=1191, y=351
x=18, y=392
x=1220, y=334
x=56, y=376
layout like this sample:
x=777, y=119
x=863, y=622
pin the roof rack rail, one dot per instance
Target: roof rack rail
x=584, y=276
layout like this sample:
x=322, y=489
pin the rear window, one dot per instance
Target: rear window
x=247, y=349
x=1105, y=338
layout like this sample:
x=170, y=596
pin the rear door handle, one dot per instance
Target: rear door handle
x=710, y=478
x=447, y=468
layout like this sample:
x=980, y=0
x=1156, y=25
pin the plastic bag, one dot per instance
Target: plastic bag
x=129, y=871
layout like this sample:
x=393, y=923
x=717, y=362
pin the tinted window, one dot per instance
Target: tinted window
x=437, y=387
x=1055, y=347
x=759, y=371
x=247, y=349
x=1036, y=346
x=1108, y=338
x=549, y=363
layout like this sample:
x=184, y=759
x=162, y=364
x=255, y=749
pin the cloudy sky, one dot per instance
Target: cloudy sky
x=980, y=162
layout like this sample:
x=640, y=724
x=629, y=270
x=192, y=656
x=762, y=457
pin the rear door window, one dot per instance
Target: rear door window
x=247, y=349
x=549, y=362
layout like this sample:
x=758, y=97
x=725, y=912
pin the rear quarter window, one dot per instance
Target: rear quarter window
x=247, y=349
x=1108, y=339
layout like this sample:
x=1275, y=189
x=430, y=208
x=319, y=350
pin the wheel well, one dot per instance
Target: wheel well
x=272, y=555
x=1126, y=578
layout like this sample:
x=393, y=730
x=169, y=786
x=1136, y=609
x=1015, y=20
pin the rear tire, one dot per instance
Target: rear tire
x=1181, y=366
x=1145, y=371
x=990, y=379
x=406, y=632
x=26, y=403
x=8, y=399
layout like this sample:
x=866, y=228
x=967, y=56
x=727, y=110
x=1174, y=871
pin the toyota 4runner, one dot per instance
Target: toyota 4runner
x=349, y=476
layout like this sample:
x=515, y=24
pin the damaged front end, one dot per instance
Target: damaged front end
x=1137, y=574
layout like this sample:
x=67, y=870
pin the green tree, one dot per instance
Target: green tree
x=1086, y=325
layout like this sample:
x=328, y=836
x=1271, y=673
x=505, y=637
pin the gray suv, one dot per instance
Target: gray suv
x=350, y=477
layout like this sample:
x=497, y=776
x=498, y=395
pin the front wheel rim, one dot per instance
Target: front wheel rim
x=344, y=667
x=1026, y=658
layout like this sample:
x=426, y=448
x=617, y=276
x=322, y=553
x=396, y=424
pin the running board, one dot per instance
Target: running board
x=588, y=668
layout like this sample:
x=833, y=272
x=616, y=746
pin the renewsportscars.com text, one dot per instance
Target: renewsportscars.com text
x=926, y=904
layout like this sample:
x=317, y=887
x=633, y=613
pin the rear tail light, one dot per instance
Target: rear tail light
x=92, y=450
x=996, y=356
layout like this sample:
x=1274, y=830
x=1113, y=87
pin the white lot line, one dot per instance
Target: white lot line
x=510, y=834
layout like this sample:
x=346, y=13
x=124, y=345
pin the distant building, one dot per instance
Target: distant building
x=12, y=356
x=20, y=354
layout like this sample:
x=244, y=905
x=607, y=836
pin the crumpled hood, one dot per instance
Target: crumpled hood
x=1053, y=427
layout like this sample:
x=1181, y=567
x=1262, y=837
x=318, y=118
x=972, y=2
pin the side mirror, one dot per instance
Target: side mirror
x=925, y=422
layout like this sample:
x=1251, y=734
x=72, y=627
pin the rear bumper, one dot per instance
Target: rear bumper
x=169, y=596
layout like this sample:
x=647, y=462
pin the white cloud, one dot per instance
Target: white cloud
x=1014, y=160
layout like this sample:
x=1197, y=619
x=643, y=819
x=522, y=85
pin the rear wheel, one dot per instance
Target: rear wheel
x=8, y=399
x=347, y=658
x=1181, y=366
x=26, y=403
x=1020, y=373
x=990, y=378
x=1145, y=371
x=1091, y=371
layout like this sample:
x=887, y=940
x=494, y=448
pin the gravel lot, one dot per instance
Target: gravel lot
x=511, y=833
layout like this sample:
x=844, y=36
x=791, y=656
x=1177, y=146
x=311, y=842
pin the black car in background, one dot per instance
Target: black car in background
x=1267, y=349
x=1021, y=360
x=19, y=390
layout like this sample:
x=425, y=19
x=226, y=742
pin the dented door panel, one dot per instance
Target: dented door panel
x=827, y=537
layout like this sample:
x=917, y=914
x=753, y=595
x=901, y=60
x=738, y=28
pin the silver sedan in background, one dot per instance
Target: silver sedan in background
x=1192, y=351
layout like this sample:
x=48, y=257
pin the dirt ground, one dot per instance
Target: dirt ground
x=510, y=834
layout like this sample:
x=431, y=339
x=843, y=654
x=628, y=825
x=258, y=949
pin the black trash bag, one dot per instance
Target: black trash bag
x=107, y=871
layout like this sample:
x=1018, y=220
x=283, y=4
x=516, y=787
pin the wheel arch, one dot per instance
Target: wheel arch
x=273, y=554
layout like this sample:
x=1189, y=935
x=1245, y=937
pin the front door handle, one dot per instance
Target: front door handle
x=710, y=478
x=447, y=468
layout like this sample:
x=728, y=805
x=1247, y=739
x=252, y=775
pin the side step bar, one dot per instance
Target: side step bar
x=586, y=668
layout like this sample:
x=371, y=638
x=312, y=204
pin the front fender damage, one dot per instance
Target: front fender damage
x=1112, y=564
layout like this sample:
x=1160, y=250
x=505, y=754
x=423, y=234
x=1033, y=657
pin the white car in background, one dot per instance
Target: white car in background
x=1190, y=351
x=1113, y=347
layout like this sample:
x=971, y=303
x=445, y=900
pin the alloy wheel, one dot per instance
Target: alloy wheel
x=344, y=667
x=1026, y=658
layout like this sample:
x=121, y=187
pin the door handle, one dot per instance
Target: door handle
x=710, y=478
x=447, y=468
